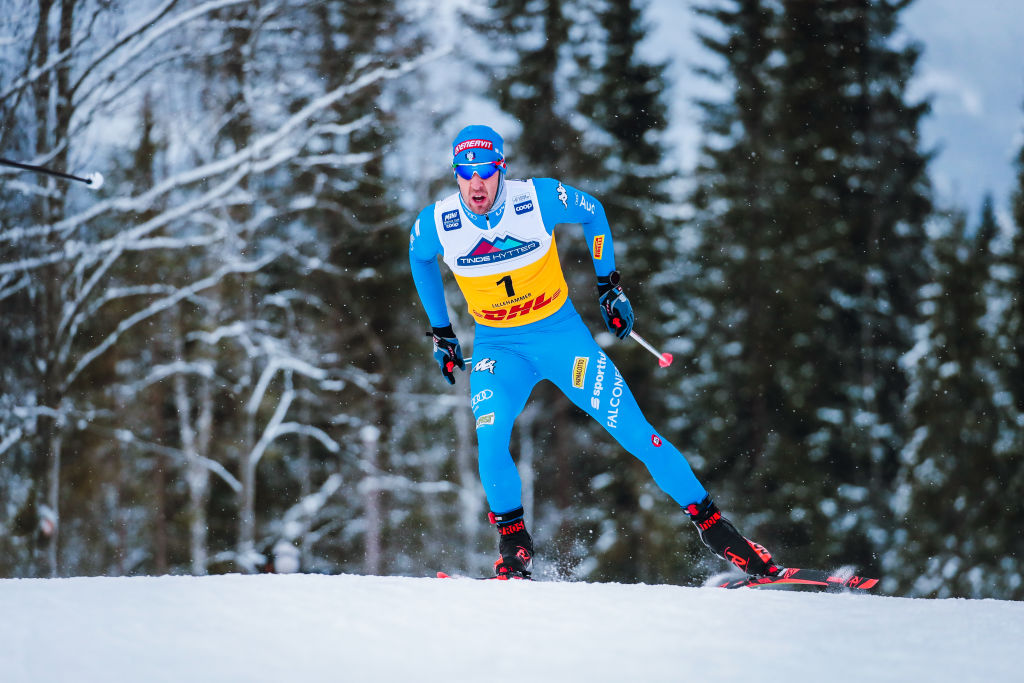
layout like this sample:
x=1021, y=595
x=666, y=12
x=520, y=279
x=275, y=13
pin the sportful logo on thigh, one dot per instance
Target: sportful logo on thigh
x=485, y=364
x=595, y=400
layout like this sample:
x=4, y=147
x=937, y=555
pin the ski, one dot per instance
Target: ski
x=443, y=575
x=806, y=577
x=786, y=575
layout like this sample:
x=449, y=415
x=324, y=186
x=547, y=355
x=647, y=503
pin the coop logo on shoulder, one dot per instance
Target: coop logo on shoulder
x=450, y=220
x=522, y=204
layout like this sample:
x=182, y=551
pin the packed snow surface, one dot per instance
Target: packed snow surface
x=301, y=628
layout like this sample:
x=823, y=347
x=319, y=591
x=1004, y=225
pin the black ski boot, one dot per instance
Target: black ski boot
x=514, y=544
x=724, y=540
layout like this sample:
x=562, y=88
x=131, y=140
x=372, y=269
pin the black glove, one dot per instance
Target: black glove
x=447, y=351
x=615, y=307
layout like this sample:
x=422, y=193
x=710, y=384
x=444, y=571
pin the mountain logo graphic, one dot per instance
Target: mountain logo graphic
x=500, y=249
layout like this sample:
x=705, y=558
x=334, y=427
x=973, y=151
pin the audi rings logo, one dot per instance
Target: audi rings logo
x=482, y=396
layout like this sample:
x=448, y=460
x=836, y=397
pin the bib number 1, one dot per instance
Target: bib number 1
x=507, y=281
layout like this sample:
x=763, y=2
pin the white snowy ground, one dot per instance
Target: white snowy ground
x=302, y=628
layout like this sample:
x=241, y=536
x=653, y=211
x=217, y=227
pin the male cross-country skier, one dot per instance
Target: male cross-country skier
x=497, y=237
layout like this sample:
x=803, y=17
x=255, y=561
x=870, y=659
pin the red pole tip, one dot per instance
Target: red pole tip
x=665, y=360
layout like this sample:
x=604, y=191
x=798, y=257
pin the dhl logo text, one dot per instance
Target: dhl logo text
x=520, y=309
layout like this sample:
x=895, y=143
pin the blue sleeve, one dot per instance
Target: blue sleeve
x=565, y=204
x=424, y=247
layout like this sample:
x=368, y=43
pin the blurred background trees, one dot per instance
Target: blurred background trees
x=216, y=362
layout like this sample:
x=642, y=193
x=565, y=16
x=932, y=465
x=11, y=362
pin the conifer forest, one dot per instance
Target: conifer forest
x=217, y=362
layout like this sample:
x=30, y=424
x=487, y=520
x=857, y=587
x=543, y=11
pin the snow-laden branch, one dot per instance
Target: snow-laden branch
x=242, y=159
x=392, y=482
x=162, y=305
x=333, y=160
x=128, y=437
x=307, y=430
x=32, y=412
x=276, y=426
x=367, y=381
x=270, y=432
x=175, y=243
x=285, y=299
x=296, y=520
x=77, y=250
x=73, y=304
x=281, y=362
x=10, y=439
x=159, y=373
x=148, y=37
x=235, y=329
x=9, y=286
x=115, y=293
x=123, y=435
x=73, y=315
x=58, y=59
x=35, y=73
x=30, y=188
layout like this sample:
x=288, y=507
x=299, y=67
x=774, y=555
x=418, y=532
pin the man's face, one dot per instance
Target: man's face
x=477, y=193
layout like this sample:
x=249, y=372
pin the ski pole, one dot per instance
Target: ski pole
x=94, y=181
x=664, y=359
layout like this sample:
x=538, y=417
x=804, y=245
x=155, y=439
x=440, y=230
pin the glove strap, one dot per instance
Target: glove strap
x=442, y=332
x=607, y=282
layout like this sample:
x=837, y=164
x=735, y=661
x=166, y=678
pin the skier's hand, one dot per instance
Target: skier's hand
x=447, y=351
x=615, y=307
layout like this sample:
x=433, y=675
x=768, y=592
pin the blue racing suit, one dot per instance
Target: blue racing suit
x=527, y=330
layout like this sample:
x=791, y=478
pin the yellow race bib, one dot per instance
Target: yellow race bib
x=520, y=296
x=509, y=273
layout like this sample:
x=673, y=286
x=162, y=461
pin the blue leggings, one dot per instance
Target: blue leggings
x=508, y=363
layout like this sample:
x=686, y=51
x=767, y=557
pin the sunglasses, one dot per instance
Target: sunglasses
x=484, y=169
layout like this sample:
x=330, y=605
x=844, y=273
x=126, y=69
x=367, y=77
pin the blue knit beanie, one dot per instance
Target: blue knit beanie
x=476, y=144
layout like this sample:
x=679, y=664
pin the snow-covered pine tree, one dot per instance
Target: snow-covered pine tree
x=813, y=286
x=364, y=225
x=951, y=475
x=626, y=109
x=738, y=262
x=203, y=271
